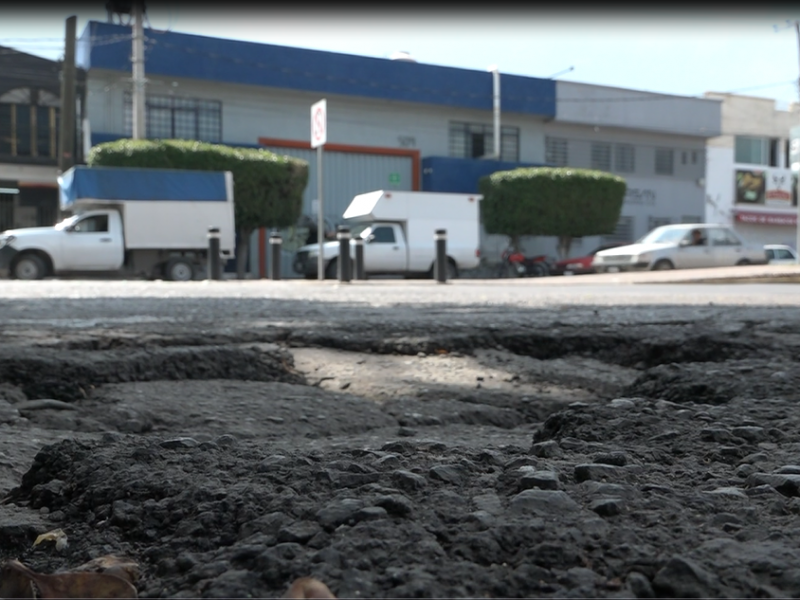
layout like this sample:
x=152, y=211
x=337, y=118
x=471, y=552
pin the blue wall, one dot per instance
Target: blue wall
x=461, y=175
x=108, y=46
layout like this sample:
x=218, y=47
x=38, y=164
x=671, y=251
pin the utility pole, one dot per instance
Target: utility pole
x=797, y=185
x=66, y=138
x=137, y=60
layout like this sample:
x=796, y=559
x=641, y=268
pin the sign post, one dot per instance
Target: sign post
x=319, y=135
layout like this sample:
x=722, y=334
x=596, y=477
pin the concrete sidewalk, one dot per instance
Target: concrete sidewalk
x=743, y=274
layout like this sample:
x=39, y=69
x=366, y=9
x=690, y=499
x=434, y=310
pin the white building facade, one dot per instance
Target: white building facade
x=749, y=180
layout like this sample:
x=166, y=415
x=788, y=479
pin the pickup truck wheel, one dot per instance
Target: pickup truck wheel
x=331, y=269
x=179, y=269
x=743, y=262
x=29, y=267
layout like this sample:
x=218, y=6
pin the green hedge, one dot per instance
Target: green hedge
x=551, y=201
x=268, y=188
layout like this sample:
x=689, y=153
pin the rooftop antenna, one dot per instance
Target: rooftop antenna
x=561, y=73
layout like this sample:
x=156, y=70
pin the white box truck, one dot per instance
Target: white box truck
x=151, y=223
x=398, y=230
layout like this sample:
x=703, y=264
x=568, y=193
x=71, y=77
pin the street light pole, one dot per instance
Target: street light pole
x=496, y=107
x=139, y=128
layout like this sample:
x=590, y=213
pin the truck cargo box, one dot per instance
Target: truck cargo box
x=160, y=208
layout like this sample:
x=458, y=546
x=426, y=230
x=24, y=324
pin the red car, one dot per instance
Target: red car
x=581, y=265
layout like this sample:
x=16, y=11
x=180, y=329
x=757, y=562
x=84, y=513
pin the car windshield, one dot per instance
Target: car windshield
x=664, y=236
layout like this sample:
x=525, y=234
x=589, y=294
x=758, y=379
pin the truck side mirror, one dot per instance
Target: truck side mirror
x=371, y=238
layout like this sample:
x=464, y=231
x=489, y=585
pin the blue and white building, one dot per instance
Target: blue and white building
x=399, y=124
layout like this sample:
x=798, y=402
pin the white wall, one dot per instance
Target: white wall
x=608, y=106
x=250, y=112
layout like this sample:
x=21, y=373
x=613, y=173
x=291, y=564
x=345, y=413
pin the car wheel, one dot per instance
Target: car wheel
x=743, y=262
x=663, y=265
x=452, y=270
x=29, y=267
x=179, y=269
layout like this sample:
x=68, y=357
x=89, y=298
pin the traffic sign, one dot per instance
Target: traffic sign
x=319, y=125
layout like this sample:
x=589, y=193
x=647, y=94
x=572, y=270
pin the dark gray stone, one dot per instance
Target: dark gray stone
x=786, y=484
x=640, y=585
x=607, y=507
x=406, y=480
x=226, y=440
x=543, y=503
x=753, y=435
x=184, y=443
x=338, y=512
x=598, y=472
x=712, y=434
x=299, y=532
x=454, y=474
x=682, y=577
x=548, y=449
x=618, y=459
x=545, y=480
x=370, y=513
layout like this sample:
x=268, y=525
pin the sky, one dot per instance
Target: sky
x=684, y=52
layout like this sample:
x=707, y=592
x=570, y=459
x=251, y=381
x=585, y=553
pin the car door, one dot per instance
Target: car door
x=726, y=247
x=385, y=250
x=690, y=255
x=88, y=245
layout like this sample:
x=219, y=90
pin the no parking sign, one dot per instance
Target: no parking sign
x=319, y=126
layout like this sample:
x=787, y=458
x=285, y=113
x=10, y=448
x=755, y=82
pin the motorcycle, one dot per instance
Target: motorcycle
x=515, y=264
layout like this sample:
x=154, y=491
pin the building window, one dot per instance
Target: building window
x=169, y=117
x=623, y=232
x=787, y=155
x=601, y=156
x=694, y=157
x=475, y=140
x=665, y=161
x=29, y=123
x=684, y=158
x=752, y=150
x=623, y=158
x=555, y=151
x=653, y=222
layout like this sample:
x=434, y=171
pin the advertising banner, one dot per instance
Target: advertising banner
x=767, y=187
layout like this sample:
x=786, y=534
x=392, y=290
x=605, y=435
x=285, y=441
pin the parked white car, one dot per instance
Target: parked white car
x=780, y=254
x=685, y=246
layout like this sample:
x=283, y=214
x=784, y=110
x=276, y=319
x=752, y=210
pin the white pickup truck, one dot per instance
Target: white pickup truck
x=398, y=230
x=151, y=223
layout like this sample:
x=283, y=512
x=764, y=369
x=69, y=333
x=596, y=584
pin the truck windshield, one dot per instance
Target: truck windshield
x=362, y=230
x=67, y=222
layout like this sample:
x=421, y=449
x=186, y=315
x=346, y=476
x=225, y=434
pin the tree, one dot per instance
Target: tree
x=563, y=202
x=267, y=187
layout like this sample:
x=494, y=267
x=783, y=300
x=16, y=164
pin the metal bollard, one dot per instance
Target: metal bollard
x=214, y=261
x=275, y=242
x=359, y=243
x=440, y=266
x=343, y=268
